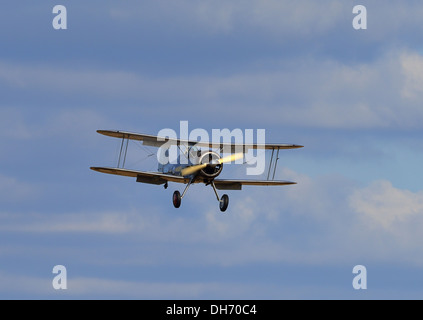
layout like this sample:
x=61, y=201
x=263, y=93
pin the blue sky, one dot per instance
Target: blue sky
x=298, y=69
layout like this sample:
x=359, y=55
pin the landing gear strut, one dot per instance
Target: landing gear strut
x=177, y=196
x=224, y=201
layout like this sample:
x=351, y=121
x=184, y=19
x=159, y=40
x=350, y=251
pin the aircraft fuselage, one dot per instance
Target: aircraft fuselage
x=210, y=159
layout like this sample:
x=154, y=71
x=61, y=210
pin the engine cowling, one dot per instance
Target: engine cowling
x=213, y=168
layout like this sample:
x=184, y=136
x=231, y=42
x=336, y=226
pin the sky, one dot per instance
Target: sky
x=298, y=69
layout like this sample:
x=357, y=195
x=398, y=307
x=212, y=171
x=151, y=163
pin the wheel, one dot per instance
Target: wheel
x=176, y=199
x=224, y=202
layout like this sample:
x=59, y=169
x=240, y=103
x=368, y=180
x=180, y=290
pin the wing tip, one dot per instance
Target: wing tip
x=106, y=132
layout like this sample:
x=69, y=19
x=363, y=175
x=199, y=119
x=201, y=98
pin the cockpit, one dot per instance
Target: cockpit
x=194, y=154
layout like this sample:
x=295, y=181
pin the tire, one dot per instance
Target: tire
x=224, y=202
x=176, y=199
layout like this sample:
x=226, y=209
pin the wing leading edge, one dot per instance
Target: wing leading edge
x=155, y=141
x=142, y=176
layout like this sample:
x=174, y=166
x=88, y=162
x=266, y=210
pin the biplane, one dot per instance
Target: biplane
x=203, y=163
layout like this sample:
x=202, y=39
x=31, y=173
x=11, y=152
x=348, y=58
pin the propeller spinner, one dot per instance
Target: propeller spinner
x=212, y=164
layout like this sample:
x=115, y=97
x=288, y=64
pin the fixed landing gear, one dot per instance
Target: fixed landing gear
x=177, y=197
x=223, y=202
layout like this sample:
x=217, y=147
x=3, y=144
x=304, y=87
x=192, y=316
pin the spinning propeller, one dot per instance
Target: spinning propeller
x=192, y=169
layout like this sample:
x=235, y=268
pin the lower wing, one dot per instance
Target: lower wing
x=142, y=176
x=162, y=178
x=237, y=184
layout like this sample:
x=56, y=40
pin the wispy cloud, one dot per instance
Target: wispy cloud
x=34, y=287
x=65, y=223
x=13, y=190
x=223, y=17
x=331, y=216
x=383, y=94
x=412, y=66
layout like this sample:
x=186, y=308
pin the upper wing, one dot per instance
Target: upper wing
x=145, y=177
x=155, y=141
x=148, y=140
x=237, y=184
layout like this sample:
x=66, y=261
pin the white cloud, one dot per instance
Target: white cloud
x=391, y=220
x=306, y=93
x=412, y=66
x=387, y=206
